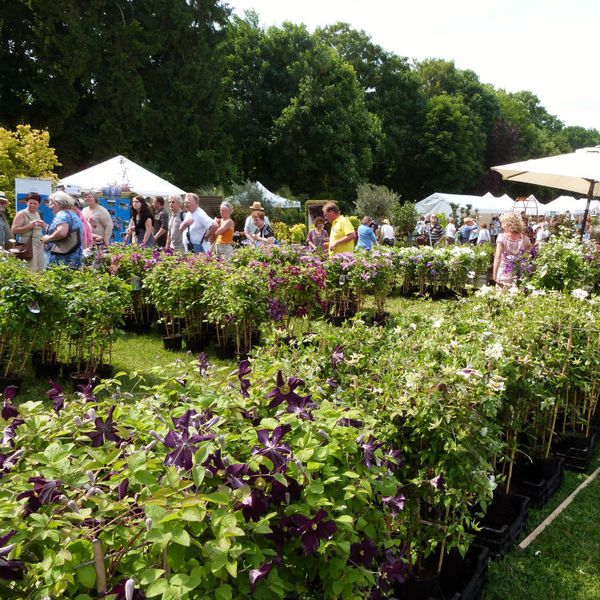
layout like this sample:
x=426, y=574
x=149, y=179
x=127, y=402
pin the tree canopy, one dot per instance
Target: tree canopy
x=210, y=99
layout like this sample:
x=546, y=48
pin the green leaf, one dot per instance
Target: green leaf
x=144, y=477
x=87, y=576
x=157, y=588
x=224, y=592
x=181, y=537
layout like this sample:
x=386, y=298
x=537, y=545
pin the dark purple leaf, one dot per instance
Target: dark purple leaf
x=122, y=489
x=254, y=506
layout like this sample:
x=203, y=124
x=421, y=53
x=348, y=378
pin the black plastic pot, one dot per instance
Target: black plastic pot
x=14, y=380
x=503, y=523
x=195, y=343
x=539, y=479
x=137, y=326
x=464, y=578
x=576, y=449
x=172, y=342
x=418, y=589
x=105, y=371
x=224, y=352
x=79, y=379
x=48, y=370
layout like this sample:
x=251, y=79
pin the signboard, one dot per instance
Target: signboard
x=119, y=209
x=43, y=187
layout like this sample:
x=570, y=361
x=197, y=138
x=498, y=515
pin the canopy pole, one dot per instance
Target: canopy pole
x=587, y=210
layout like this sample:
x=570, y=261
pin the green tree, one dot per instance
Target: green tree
x=325, y=138
x=25, y=152
x=452, y=147
x=377, y=201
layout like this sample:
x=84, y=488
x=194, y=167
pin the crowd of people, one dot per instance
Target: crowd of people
x=184, y=227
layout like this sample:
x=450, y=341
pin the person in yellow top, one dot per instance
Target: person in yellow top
x=342, y=236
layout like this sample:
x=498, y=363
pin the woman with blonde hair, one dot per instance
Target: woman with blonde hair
x=511, y=245
x=224, y=233
x=174, y=235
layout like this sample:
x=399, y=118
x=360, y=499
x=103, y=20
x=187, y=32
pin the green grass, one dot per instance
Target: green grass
x=562, y=564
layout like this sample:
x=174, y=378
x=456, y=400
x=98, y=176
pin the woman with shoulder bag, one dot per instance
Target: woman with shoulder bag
x=63, y=239
x=29, y=226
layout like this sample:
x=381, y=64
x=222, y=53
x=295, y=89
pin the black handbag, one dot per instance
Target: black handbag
x=23, y=250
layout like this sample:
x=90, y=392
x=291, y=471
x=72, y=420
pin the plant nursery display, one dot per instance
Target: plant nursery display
x=348, y=462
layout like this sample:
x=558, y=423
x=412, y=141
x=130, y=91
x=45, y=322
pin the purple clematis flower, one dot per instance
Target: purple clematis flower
x=44, y=492
x=87, y=392
x=337, y=356
x=312, y=531
x=9, y=410
x=125, y=590
x=437, y=482
x=254, y=506
x=203, y=363
x=222, y=468
x=394, y=569
x=243, y=370
x=10, y=570
x=369, y=448
x=56, y=394
x=257, y=574
x=284, y=391
x=8, y=461
x=301, y=408
x=392, y=459
x=183, y=449
x=105, y=431
x=395, y=503
x=122, y=489
x=8, y=435
x=273, y=449
x=363, y=553
x=285, y=494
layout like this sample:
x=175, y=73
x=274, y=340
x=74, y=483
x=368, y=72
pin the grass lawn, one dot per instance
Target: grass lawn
x=564, y=561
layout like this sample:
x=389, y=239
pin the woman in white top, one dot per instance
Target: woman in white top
x=174, y=235
x=450, y=231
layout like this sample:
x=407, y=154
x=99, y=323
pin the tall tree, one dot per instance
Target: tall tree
x=326, y=137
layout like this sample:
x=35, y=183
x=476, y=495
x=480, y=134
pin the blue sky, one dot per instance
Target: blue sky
x=549, y=47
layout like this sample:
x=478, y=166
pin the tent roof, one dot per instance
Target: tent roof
x=120, y=171
x=576, y=206
x=440, y=203
x=267, y=196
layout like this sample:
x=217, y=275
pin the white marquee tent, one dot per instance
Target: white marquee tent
x=441, y=203
x=118, y=172
x=576, y=206
x=259, y=189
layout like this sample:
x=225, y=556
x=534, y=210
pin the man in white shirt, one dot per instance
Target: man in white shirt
x=197, y=227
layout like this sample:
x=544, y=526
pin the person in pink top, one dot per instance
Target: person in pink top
x=511, y=245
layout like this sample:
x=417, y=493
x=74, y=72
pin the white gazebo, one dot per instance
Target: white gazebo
x=122, y=174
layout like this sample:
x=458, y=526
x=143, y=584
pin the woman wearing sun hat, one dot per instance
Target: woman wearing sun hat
x=249, y=227
x=28, y=224
x=387, y=233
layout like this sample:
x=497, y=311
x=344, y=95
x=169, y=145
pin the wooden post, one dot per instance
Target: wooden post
x=100, y=570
